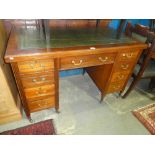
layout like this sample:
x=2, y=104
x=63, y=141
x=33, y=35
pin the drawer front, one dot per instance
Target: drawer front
x=128, y=55
x=37, y=80
x=123, y=66
x=35, y=66
x=42, y=104
x=115, y=87
x=39, y=92
x=85, y=61
x=119, y=76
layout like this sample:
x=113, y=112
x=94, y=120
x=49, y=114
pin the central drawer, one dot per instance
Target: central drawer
x=35, y=66
x=88, y=60
x=39, y=92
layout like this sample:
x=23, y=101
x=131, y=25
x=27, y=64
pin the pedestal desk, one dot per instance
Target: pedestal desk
x=36, y=57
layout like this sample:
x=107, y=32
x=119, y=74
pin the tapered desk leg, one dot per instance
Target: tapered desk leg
x=30, y=119
x=120, y=93
x=57, y=111
x=102, y=97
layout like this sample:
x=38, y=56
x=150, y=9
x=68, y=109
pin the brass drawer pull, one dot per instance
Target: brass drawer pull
x=128, y=55
x=32, y=65
x=120, y=77
x=116, y=87
x=77, y=64
x=124, y=66
x=41, y=65
x=42, y=104
x=34, y=80
x=103, y=59
x=41, y=91
x=43, y=79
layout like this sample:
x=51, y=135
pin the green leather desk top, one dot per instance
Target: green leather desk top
x=60, y=38
x=26, y=42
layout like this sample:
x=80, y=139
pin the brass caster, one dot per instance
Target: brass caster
x=31, y=120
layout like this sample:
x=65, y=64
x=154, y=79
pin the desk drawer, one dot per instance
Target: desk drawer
x=42, y=104
x=123, y=66
x=85, y=61
x=119, y=76
x=39, y=92
x=35, y=66
x=115, y=87
x=36, y=81
x=128, y=55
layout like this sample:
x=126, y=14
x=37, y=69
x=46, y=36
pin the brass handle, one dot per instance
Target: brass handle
x=124, y=66
x=103, y=59
x=44, y=104
x=41, y=65
x=77, y=64
x=34, y=80
x=120, y=77
x=40, y=91
x=43, y=79
x=116, y=87
x=32, y=65
x=128, y=55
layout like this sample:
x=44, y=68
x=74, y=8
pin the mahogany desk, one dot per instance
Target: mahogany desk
x=37, y=57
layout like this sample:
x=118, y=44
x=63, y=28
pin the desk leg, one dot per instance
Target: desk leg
x=120, y=93
x=102, y=97
x=30, y=119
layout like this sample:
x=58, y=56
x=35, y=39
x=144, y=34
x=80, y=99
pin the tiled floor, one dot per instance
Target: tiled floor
x=81, y=112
